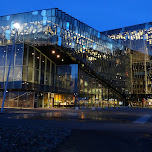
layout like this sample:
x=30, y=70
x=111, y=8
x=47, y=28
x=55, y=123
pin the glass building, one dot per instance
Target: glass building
x=60, y=61
x=138, y=38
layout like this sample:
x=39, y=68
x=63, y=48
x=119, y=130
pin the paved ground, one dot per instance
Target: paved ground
x=105, y=130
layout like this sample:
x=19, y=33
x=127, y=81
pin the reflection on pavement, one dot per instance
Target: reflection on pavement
x=100, y=116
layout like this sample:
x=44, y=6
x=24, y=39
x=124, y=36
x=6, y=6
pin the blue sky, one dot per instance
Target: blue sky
x=99, y=14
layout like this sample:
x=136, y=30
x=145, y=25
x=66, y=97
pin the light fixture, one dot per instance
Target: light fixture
x=58, y=56
x=62, y=59
x=16, y=25
x=90, y=58
x=53, y=52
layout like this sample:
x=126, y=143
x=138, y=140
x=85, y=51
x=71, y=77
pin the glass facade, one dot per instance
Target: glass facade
x=31, y=71
x=139, y=39
x=62, y=61
x=93, y=92
x=16, y=70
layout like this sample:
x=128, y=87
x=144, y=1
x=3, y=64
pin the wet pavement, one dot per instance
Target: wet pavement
x=92, y=130
x=79, y=116
x=115, y=116
x=106, y=115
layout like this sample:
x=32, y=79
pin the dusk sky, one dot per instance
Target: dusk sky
x=99, y=14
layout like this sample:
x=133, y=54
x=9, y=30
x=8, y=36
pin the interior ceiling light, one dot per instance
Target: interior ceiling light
x=53, y=52
x=58, y=56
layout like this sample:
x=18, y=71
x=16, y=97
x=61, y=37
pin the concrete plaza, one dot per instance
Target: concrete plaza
x=127, y=129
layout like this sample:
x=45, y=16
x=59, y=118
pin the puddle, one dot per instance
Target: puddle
x=69, y=116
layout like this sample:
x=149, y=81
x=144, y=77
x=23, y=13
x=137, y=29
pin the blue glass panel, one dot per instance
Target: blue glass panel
x=7, y=18
x=98, y=35
x=9, y=50
x=48, y=13
x=19, y=55
x=57, y=20
x=66, y=17
x=40, y=18
x=61, y=23
x=63, y=15
x=30, y=18
x=3, y=18
x=59, y=41
x=72, y=46
x=53, y=20
x=35, y=13
x=64, y=24
x=94, y=46
x=67, y=26
x=58, y=31
x=59, y=14
x=2, y=55
x=53, y=12
x=12, y=25
x=44, y=20
x=147, y=26
x=43, y=13
x=75, y=22
x=70, y=19
x=8, y=34
x=34, y=18
x=76, y=30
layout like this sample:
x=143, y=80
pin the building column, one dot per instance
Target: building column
x=43, y=100
x=48, y=103
x=33, y=98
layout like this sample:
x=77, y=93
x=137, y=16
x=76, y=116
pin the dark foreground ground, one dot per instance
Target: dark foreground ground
x=69, y=130
x=107, y=141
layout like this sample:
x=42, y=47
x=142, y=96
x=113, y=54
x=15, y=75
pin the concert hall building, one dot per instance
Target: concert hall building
x=60, y=61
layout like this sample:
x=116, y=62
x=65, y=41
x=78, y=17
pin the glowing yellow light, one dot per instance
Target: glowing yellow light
x=53, y=52
x=58, y=56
